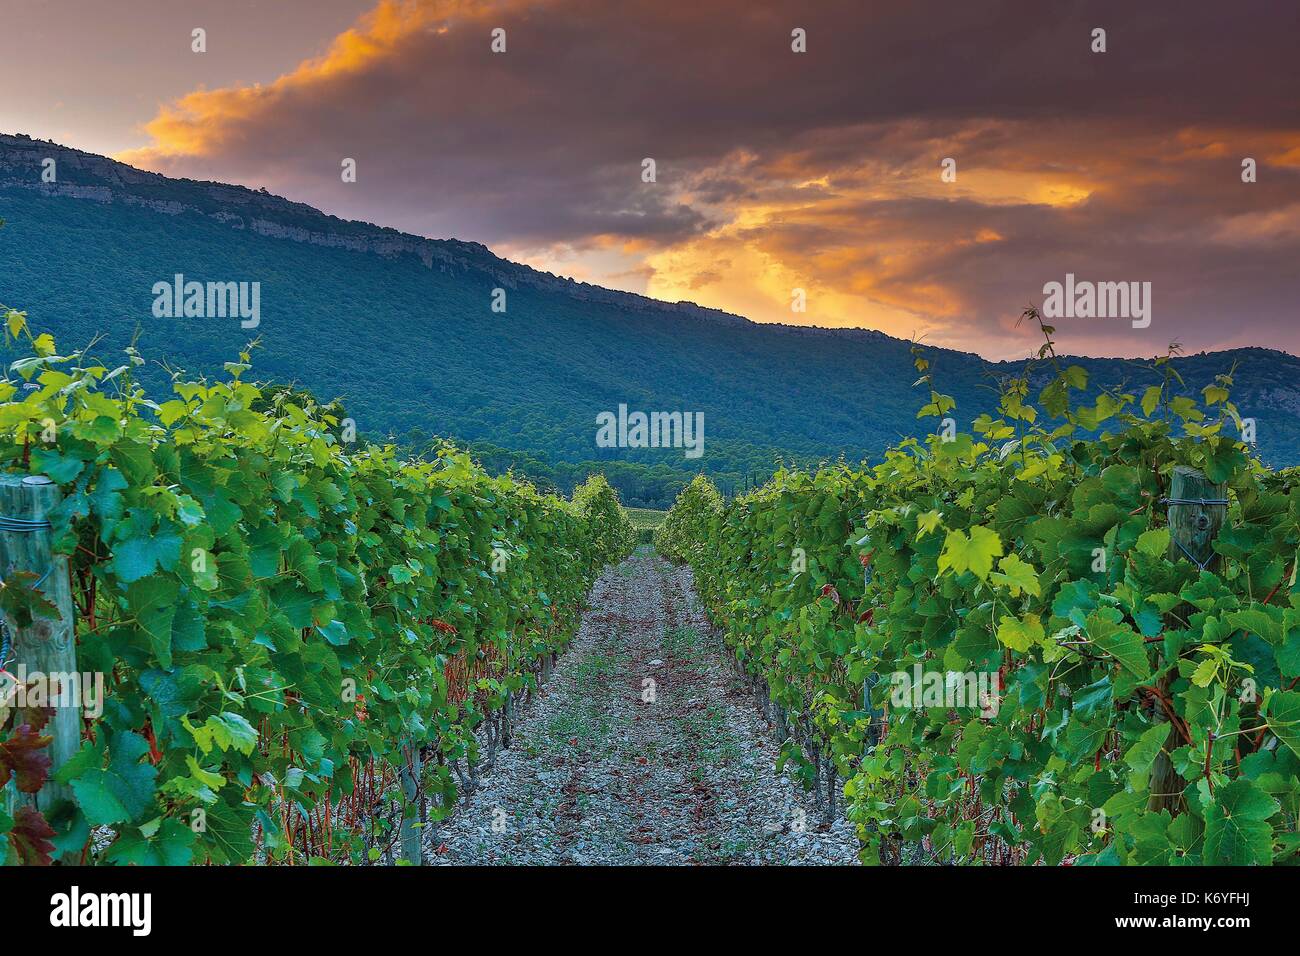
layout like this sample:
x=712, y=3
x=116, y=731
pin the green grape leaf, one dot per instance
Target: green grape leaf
x=1236, y=829
x=121, y=792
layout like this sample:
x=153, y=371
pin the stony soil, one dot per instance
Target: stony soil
x=597, y=774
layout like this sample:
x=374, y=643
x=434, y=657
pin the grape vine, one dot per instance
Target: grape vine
x=281, y=618
x=1032, y=554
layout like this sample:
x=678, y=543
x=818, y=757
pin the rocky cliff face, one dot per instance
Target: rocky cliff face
x=86, y=176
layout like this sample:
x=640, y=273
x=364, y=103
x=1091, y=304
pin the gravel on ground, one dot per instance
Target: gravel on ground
x=643, y=747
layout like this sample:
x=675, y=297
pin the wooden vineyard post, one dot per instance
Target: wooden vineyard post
x=877, y=714
x=1198, y=508
x=46, y=649
x=410, y=833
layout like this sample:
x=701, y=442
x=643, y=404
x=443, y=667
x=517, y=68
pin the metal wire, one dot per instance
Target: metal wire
x=1204, y=503
x=23, y=525
x=1203, y=565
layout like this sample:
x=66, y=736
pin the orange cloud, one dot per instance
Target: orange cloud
x=779, y=172
x=197, y=124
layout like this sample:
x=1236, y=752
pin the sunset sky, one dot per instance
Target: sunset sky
x=776, y=170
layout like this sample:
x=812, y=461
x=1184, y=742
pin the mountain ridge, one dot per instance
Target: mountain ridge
x=404, y=334
x=19, y=151
x=111, y=180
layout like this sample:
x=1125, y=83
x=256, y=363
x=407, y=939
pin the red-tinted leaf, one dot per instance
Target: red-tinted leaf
x=30, y=837
x=23, y=756
x=36, y=717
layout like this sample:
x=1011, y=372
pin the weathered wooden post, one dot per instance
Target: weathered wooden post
x=877, y=714
x=1198, y=508
x=412, y=811
x=45, y=651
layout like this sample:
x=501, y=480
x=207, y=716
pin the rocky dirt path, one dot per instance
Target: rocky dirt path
x=598, y=773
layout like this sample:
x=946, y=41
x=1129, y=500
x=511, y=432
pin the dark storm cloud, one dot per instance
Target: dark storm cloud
x=826, y=162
